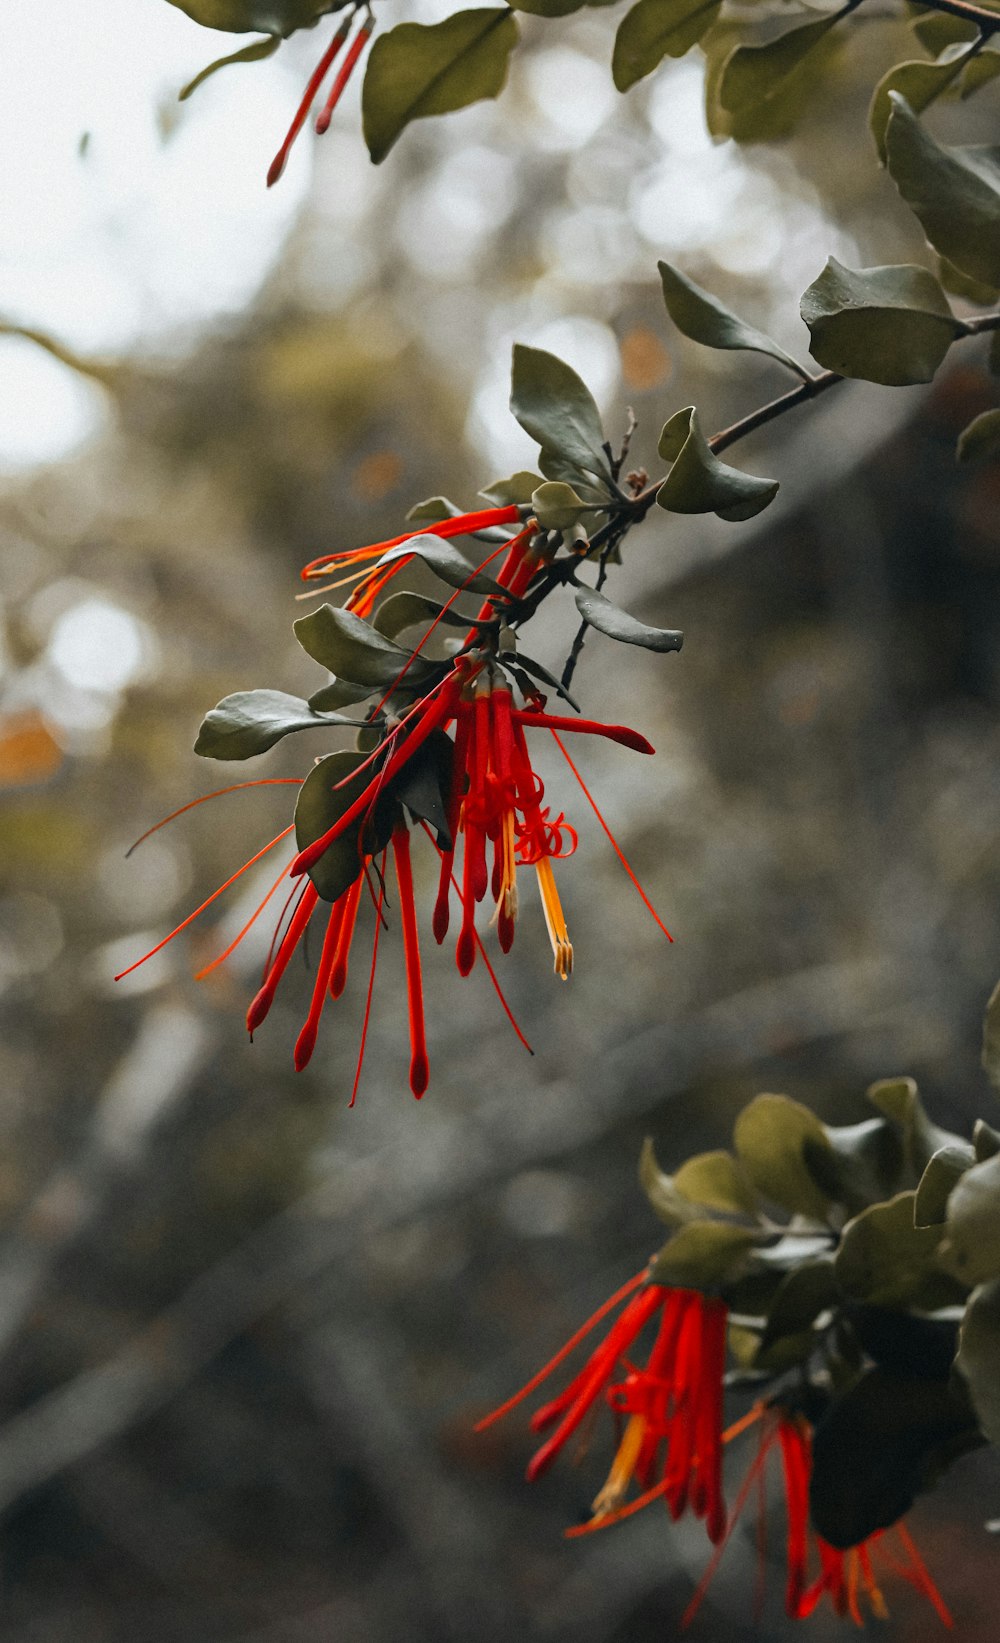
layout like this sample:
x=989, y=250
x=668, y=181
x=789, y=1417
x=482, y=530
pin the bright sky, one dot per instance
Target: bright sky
x=128, y=218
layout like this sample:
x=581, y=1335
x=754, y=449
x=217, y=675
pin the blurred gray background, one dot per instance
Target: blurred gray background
x=245, y=1333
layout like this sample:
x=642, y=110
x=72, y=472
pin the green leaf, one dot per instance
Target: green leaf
x=556, y=505
x=955, y=192
x=698, y=482
x=754, y=76
x=888, y=325
x=979, y=72
x=899, y=1100
x=280, y=17
x=654, y=29
x=919, y=83
x=670, y=1205
x=943, y=1171
x=979, y=1355
x=770, y=1136
x=703, y=1255
x=971, y=1250
x=425, y=781
x=518, y=663
x=936, y=29
x=601, y=614
x=321, y=803
x=886, y=1439
x=802, y=1295
x=715, y=1180
x=861, y=1165
x=338, y=693
x=250, y=54
x=908, y=1343
x=433, y=508
x=705, y=319
x=405, y=610
x=980, y=439
x=520, y=487
x=557, y=409
x=353, y=650
x=441, y=556
x=420, y=69
x=251, y=721
x=885, y=1260
x=960, y=285
x=985, y=1141
x=548, y=8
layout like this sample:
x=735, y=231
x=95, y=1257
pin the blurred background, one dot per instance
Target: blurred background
x=244, y=1332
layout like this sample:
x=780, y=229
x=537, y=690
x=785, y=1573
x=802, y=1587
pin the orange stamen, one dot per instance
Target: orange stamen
x=201, y=974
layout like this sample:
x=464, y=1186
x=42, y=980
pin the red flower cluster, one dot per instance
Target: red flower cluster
x=494, y=805
x=673, y=1441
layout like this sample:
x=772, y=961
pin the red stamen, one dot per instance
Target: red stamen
x=767, y=1438
x=924, y=1578
x=206, y=903
x=360, y=41
x=306, y=1041
x=254, y=916
x=263, y=781
x=371, y=987
x=338, y=975
x=302, y=113
x=613, y=841
x=419, y=1064
x=290, y=940
x=590, y=727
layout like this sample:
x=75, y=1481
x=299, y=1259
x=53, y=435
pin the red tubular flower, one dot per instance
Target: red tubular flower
x=319, y=74
x=359, y=565
x=672, y=1441
x=848, y=1577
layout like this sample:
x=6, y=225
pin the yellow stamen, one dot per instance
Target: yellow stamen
x=562, y=949
x=622, y=1467
x=879, y=1606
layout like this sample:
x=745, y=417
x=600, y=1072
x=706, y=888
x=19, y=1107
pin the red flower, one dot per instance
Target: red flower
x=672, y=1441
x=323, y=67
x=848, y=1577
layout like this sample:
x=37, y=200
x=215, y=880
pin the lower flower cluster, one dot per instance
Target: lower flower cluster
x=671, y=1441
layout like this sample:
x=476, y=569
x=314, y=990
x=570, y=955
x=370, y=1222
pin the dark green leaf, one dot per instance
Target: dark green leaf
x=281, y=17
x=405, y=610
x=985, y=1141
x=535, y=670
x=861, y=1165
x=433, y=509
x=942, y=1172
x=888, y=325
x=441, y=556
x=802, y=1295
x=705, y=319
x=979, y=72
x=549, y=8
x=249, y=54
x=520, y=487
x=699, y=483
x=960, y=285
x=715, y=1180
x=980, y=439
x=955, y=192
x=886, y=1439
x=770, y=1136
x=338, y=693
x=703, y=1255
x=353, y=649
x=935, y=30
x=557, y=409
x=321, y=803
x=908, y=1343
x=424, y=784
x=420, y=69
x=885, y=1260
x=919, y=83
x=601, y=614
x=971, y=1250
x=251, y=721
x=655, y=29
x=979, y=1355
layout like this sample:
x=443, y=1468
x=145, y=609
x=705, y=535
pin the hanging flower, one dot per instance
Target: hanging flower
x=323, y=67
x=672, y=1440
x=849, y=1576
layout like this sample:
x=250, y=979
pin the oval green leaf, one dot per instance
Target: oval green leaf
x=887, y=325
x=557, y=409
x=252, y=721
x=655, y=29
x=955, y=192
x=418, y=70
x=601, y=614
x=705, y=319
x=699, y=483
x=320, y=805
x=281, y=17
